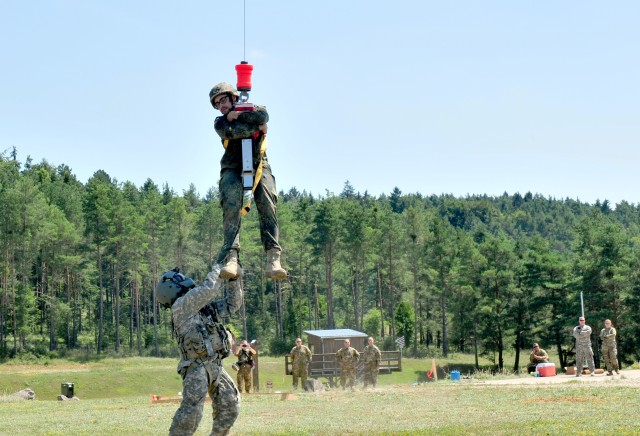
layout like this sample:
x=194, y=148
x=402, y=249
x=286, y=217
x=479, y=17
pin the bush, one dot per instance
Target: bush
x=372, y=322
x=279, y=347
x=389, y=344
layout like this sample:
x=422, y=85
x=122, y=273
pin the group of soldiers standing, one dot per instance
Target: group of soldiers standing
x=347, y=358
x=584, y=351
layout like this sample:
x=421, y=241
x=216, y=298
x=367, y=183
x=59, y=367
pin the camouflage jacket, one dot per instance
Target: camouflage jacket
x=246, y=126
x=539, y=356
x=371, y=355
x=347, y=357
x=608, y=337
x=196, y=318
x=582, y=335
x=245, y=355
x=300, y=357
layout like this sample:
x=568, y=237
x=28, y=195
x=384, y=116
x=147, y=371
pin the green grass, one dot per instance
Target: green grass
x=114, y=397
x=139, y=376
x=444, y=408
x=108, y=378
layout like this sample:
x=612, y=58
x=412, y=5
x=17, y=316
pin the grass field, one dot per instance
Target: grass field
x=130, y=377
x=115, y=400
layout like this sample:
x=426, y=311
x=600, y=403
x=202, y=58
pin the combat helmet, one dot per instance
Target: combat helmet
x=222, y=88
x=171, y=285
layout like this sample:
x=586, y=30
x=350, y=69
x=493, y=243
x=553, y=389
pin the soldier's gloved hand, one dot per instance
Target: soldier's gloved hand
x=214, y=274
x=216, y=267
x=233, y=115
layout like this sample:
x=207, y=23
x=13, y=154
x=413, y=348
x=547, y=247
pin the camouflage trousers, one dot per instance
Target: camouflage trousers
x=347, y=376
x=610, y=355
x=299, y=372
x=211, y=378
x=584, y=353
x=244, y=375
x=370, y=375
x=232, y=201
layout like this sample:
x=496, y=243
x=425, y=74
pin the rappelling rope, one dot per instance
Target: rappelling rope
x=244, y=30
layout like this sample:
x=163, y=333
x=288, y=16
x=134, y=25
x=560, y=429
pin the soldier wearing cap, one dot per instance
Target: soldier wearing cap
x=371, y=357
x=245, y=365
x=300, y=358
x=538, y=355
x=609, y=347
x=347, y=357
x=584, y=352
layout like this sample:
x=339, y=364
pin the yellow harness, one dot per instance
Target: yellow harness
x=258, y=175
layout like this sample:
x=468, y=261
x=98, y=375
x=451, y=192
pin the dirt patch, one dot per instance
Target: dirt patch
x=564, y=400
x=629, y=377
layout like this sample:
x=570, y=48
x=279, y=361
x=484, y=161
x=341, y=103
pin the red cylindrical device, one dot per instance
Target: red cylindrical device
x=244, y=70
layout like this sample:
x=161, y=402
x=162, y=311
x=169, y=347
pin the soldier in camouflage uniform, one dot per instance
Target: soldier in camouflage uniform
x=582, y=333
x=245, y=364
x=347, y=358
x=203, y=342
x=300, y=359
x=538, y=355
x=609, y=348
x=233, y=126
x=371, y=363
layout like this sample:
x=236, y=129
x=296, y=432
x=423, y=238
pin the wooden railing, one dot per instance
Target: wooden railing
x=325, y=365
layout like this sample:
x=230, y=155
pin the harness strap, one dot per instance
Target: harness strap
x=257, y=177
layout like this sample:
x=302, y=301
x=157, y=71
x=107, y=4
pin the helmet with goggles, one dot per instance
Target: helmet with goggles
x=171, y=285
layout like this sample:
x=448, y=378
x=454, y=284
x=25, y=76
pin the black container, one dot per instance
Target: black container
x=67, y=390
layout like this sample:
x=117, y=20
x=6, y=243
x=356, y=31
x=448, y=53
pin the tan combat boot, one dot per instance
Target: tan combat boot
x=231, y=270
x=274, y=269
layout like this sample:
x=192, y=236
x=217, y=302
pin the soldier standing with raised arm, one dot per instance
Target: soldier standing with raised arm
x=203, y=342
x=245, y=365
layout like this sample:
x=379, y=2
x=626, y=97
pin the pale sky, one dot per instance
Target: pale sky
x=464, y=97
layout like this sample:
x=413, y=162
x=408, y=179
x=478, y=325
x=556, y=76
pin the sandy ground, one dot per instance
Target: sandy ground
x=626, y=378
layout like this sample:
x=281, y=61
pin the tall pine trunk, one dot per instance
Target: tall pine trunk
x=328, y=259
x=101, y=302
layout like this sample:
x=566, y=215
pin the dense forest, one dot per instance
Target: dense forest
x=480, y=274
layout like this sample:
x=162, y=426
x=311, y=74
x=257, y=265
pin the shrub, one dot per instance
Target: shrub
x=279, y=347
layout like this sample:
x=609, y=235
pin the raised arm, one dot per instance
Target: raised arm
x=244, y=126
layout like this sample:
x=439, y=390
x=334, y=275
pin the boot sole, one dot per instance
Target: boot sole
x=278, y=276
x=226, y=276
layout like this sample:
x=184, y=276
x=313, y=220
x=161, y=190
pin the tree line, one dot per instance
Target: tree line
x=478, y=274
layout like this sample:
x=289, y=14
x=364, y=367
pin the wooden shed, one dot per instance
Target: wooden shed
x=325, y=343
x=330, y=341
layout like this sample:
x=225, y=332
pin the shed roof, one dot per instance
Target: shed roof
x=336, y=333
